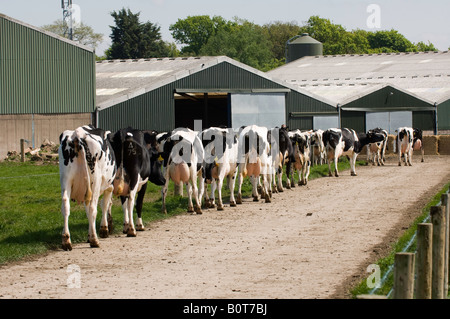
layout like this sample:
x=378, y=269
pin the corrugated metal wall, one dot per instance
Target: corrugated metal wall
x=444, y=115
x=300, y=109
x=41, y=74
x=354, y=120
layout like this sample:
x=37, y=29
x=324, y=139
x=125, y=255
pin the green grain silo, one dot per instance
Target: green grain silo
x=302, y=45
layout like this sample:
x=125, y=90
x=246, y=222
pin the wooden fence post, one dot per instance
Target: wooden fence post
x=444, y=203
x=22, y=150
x=424, y=260
x=438, y=221
x=403, y=276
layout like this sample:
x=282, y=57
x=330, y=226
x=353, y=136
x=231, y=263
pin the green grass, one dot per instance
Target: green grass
x=30, y=208
x=387, y=262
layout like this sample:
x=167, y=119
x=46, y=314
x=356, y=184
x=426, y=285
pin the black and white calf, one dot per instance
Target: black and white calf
x=376, y=151
x=137, y=163
x=221, y=155
x=301, y=142
x=346, y=141
x=87, y=168
x=184, y=153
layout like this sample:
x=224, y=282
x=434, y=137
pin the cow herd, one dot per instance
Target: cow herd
x=94, y=162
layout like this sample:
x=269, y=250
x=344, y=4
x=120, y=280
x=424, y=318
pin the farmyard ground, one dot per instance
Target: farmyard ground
x=314, y=241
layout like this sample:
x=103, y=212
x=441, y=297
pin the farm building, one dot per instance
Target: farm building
x=47, y=85
x=374, y=90
x=165, y=93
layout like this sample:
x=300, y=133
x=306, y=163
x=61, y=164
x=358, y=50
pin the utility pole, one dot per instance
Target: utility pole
x=66, y=5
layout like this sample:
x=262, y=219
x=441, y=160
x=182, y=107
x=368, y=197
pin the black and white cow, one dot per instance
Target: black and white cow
x=318, y=152
x=87, y=168
x=376, y=152
x=301, y=142
x=220, y=161
x=408, y=140
x=137, y=163
x=418, y=142
x=346, y=141
x=283, y=156
x=254, y=161
x=184, y=153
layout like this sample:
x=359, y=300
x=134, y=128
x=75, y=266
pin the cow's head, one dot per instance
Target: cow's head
x=156, y=161
x=374, y=136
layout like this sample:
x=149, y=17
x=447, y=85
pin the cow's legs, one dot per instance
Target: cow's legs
x=255, y=182
x=126, y=222
x=164, y=191
x=131, y=232
x=240, y=180
x=212, y=199
x=106, y=212
x=65, y=210
x=353, y=164
x=219, y=192
x=139, y=203
x=196, y=193
x=189, y=191
x=231, y=181
x=91, y=212
x=336, y=172
x=266, y=186
x=305, y=172
x=279, y=179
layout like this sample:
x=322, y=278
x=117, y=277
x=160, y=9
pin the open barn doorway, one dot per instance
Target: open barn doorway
x=212, y=108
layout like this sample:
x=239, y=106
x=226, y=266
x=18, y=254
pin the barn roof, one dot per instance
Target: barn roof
x=48, y=33
x=344, y=78
x=120, y=80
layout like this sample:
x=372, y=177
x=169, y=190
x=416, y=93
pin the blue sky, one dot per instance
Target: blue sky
x=417, y=20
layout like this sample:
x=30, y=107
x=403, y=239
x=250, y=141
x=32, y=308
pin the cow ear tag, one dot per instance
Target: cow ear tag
x=160, y=158
x=215, y=161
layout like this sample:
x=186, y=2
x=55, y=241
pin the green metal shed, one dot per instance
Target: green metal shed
x=47, y=85
x=166, y=93
x=386, y=89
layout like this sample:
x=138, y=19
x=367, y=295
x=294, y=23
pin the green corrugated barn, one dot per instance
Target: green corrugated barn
x=47, y=85
x=166, y=93
x=385, y=90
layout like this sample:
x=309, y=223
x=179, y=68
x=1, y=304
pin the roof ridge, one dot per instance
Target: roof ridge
x=375, y=54
x=154, y=59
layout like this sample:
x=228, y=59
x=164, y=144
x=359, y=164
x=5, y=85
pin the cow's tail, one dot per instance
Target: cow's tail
x=81, y=187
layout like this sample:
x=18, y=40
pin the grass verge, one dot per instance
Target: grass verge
x=386, y=263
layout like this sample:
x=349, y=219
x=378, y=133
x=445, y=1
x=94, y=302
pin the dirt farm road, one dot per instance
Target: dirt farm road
x=313, y=241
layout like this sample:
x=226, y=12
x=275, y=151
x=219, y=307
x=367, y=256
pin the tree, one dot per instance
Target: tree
x=132, y=39
x=245, y=42
x=390, y=41
x=278, y=33
x=333, y=37
x=195, y=31
x=82, y=33
x=422, y=47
